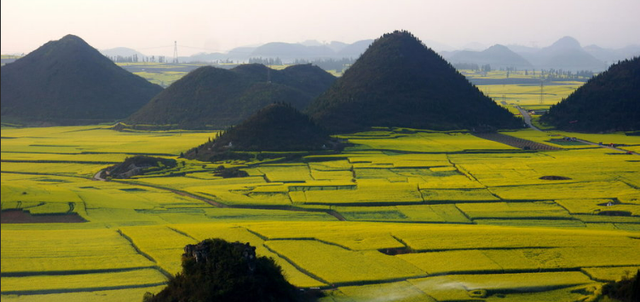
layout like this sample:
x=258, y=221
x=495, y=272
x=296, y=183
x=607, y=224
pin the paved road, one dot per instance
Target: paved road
x=527, y=120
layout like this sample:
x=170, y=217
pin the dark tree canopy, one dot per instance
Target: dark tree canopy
x=69, y=82
x=398, y=81
x=609, y=101
x=216, y=270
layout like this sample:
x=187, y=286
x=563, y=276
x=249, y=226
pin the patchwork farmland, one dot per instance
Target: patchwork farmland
x=402, y=214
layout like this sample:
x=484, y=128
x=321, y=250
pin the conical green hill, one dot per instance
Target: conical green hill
x=69, y=82
x=210, y=97
x=609, y=101
x=400, y=82
x=277, y=127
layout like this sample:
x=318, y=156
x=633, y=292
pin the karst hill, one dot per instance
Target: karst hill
x=609, y=101
x=277, y=127
x=210, y=97
x=398, y=81
x=69, y=82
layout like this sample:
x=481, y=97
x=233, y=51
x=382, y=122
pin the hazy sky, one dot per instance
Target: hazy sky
x=152, y=26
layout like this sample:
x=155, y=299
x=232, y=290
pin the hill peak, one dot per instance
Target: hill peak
x=566, y=42
x=69, y=82
x=400, y=82
x=276, y=127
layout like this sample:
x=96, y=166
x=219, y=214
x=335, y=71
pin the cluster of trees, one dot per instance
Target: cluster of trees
x=135, y=59
x=265, y=61
x=328, y=64
x=473, y=66
x=223, y=271
x=625, y=290
x=551, y=74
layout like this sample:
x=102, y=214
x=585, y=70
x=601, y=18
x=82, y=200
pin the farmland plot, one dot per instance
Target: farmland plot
x=417, y=204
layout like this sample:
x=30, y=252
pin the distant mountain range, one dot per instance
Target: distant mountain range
x=566, y=54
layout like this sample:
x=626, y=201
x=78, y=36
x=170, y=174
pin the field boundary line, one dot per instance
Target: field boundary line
x=79, y=290
x=75, y=272
x=299, y=268
x=139, y=251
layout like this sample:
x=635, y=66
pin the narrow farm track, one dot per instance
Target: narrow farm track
x=527, y=120
x=515, y=141
x=214, y=203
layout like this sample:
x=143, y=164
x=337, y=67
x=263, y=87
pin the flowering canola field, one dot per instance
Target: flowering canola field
x=403, y=214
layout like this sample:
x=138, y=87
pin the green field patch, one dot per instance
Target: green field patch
x=354, y=236
x=341, y=164
x=605, y=274
x=37, y=191
x=145, y=277
x=53, y=208
x=372, y=215
x=463, y=287
x=337, y=265
x=554, y=222
x=395, y=291
x=323, y=185
x=596, y=206
x=331, y=175
x=424, y=142
x=368, y=192
x=286, y=172
x=565, y=191
x=439, y=213
x=243, y=195
x=160, y=243
x=565, y=257
x=457, y=195
x=446, y=237
x=536, y=209
x=467, y=261
x=633, y=227
x=123, y=294
x=608, y=219
x=31, y=251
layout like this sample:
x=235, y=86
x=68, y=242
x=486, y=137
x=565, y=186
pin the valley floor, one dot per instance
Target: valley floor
x=402, y=215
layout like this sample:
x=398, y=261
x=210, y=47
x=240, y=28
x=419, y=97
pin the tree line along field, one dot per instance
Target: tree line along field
x=408, y=214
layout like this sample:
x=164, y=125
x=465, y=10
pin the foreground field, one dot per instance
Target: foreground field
x=402, y=215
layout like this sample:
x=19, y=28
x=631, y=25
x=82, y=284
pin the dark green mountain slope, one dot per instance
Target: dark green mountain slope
x=69, y=82
x=609, y=101
x=277, y=127
x=210, y=97
x=400, y=82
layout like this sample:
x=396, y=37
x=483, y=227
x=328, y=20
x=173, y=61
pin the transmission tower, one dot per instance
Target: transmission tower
x=175, y=52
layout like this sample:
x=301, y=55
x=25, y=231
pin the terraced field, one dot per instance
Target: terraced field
x=402, y=215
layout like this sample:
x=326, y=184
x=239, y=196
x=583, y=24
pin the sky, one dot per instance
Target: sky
x=153, y=26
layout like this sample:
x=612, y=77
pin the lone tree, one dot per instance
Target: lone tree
x=216, y=270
